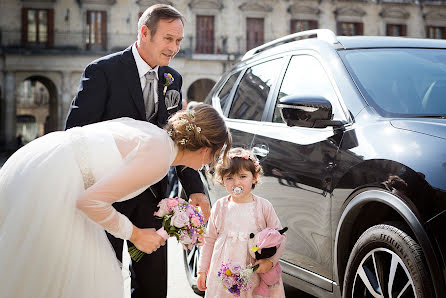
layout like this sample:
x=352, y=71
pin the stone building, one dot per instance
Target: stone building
x=45, y=44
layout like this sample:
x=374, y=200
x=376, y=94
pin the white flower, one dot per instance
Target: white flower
x=180, y=219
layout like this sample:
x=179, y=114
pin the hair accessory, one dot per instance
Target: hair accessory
x=246, y=156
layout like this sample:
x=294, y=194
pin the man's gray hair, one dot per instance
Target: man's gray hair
x=154, y=13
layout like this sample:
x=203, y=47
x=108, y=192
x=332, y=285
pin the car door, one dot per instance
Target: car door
x=297, y=162
x=243, y=99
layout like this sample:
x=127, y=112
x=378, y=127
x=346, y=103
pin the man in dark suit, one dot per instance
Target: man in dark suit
x=117, y=86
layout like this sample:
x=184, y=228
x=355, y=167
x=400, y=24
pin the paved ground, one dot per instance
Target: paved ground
x=177, y=285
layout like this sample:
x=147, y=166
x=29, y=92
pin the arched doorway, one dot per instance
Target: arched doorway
x=199, y=89
x=35, y=109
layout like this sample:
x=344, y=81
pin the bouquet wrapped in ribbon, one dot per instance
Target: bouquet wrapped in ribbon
x=234, y=278
x=180, y=220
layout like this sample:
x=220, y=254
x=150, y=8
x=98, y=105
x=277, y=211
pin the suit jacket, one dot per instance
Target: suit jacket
x=110, y=88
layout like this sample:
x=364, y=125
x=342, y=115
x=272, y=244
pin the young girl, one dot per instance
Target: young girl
x=233, y=218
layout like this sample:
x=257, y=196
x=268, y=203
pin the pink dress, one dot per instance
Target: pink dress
x=227, y=240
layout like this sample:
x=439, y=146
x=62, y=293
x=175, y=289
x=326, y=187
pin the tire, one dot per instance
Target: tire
x=381, y=252
x=190, y=258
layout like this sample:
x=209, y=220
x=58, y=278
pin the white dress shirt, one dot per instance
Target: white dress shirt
x=143, y=68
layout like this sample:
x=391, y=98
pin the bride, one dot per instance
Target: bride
x=57, y=191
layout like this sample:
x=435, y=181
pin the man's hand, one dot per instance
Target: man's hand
x=200, y=200
x=146, y=240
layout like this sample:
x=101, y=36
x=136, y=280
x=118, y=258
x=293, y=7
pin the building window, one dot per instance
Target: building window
x=436, y=32
x=97, y=30
x=396, y=30
x=302, y=25
x=205, y=35
x=254, y=32
x=37, y=27
x=350, y=29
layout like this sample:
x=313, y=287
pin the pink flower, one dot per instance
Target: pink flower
x=163, y=208
x=180, y=219
x=190, y=210
x=201, y=240
x=195, y=221
x=235, y=267
x=172, y=203
x=186, y=239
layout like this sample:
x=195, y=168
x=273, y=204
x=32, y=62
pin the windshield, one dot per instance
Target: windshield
x=400, y=82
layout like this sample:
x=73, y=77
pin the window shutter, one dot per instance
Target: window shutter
x=339, y=28
x=292, y=26
x=50, y=28
x=403, y=30
x=314, y=24
x=24, y=25
x=360, y=28
x=104, y=30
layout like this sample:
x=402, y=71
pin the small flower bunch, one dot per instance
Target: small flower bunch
x=234, y=278
x=180, y=220
x=245, y=155
x=169, y=80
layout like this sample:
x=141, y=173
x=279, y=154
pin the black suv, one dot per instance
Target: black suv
x=351, y=133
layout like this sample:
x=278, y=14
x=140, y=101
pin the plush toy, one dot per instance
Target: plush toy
x=264, y=245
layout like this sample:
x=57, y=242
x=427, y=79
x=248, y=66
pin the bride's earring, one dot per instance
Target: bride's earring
x=202, y=160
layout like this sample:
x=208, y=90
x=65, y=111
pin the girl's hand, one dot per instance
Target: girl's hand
x=265, y=265
x=201, y=281
x=146, y=240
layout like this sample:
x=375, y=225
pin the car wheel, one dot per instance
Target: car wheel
x=386, y=262
x=190, y=258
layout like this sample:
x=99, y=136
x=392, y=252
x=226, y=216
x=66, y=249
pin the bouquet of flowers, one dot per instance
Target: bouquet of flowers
x=234, y=278
x=180, y=220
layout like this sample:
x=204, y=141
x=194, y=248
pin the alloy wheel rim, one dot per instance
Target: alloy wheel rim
x=192, y=261
x=383, y=274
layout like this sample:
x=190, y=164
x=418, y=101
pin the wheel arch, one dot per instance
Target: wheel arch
x=392, y=209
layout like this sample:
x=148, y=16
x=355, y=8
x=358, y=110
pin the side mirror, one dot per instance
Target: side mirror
x=307, y=111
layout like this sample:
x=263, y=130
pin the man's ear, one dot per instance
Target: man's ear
x=145, y=32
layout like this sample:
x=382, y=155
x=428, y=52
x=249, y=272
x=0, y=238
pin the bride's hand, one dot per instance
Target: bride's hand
x=146, y=240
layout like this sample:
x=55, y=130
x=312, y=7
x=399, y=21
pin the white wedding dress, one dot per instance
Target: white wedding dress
x=55, y=202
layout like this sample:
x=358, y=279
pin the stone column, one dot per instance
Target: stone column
x=10, y=112
x=64, y=99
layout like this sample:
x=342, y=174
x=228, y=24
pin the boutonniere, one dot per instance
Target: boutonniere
x=169, y=80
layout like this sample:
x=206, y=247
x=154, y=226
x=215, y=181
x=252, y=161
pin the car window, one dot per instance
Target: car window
x=400, y=82
x=305, y=76
x=224, y=93
x=252, y=92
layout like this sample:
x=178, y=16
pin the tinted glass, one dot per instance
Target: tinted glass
x=224, y=93
x=252, y=92
x=401, y=82
x=305, y=76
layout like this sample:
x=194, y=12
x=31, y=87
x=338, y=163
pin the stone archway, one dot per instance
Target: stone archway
x=199, y=89
x=36, y=108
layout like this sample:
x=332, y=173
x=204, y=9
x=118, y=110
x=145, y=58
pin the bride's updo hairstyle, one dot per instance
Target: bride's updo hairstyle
x=201, y=126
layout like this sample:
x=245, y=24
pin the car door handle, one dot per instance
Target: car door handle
x=260, y=151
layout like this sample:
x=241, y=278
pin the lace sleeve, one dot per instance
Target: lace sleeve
x=149, y=164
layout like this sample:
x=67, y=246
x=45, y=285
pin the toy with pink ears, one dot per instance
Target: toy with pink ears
x=264, y=245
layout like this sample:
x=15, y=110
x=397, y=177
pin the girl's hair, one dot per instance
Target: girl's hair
x=154, y=13
x=201, y=126
x=238, y=159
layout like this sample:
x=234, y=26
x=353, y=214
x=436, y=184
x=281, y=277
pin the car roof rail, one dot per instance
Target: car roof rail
x=322, y=34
